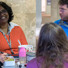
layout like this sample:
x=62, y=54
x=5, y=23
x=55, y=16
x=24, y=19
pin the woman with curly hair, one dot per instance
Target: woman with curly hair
x=51, y=47
x=10, y=34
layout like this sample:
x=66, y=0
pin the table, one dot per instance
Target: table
x=13, y=67
x=16, y=66
x=30, y=56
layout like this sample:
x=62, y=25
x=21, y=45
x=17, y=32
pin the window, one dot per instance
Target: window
x=46, y=7
x=43, y=3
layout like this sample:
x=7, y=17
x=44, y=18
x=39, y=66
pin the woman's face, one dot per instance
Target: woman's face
x=4, y=16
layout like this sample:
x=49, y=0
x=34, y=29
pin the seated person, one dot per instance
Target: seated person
x=10, y=34
x=51, y=47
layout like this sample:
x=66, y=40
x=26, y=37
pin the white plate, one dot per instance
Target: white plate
x=9, y=63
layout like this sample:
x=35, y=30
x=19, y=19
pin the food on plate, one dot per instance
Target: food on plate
x=9, y=59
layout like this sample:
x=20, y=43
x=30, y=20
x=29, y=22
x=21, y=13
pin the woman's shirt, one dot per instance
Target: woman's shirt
x=16, y=36
x=34, y=63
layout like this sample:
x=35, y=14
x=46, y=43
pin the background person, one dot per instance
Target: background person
x=10, y=34
x=63, y=11
x=51, y=47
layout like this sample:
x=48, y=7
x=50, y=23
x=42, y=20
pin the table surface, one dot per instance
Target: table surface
x=12, y=67
x=16, y=66
x=30, y=56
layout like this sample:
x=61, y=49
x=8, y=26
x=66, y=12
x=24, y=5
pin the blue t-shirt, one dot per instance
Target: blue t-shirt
x=62, y=26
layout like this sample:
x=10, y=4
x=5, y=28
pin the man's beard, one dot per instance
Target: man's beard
x=65, y=19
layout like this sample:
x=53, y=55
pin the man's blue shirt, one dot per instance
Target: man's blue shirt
x=62, y=26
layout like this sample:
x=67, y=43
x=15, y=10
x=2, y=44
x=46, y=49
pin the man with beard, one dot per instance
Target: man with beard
x=63, y=11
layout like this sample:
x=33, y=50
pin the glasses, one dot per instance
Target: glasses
x=3, y=11
x=62, y=10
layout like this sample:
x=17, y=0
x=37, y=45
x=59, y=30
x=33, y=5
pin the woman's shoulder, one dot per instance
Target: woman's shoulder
x=66, y=64
x=14, y=26
x=34, y=63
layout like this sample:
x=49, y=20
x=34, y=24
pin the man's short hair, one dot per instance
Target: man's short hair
x=63, y=2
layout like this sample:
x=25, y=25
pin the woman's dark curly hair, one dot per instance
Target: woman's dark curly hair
x=8, y=9
x=63, y=2
x=51, y=45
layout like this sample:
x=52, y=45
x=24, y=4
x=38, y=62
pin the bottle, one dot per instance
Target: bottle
x=22, y=55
